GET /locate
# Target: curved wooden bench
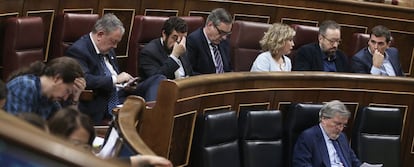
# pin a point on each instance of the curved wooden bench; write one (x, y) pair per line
(168, 127)
(22, 143)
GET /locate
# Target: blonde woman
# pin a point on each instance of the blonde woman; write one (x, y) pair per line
(276, 43)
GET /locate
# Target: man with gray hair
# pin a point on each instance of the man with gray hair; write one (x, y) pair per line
(95, 52)
(324, 55)
(325, 144)
(208, 47)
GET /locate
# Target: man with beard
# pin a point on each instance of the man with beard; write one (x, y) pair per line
(167, 55)
(323, 56)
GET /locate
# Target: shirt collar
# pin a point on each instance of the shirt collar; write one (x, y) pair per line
(325, 136)
(94, 45)
(208, 40)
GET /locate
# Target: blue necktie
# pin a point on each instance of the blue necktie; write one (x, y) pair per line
(217, 58)
(113, 98)
(339, 152)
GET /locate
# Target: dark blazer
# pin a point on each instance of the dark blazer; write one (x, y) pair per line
(362, 61)
(198, 51)
(101, 85)
(310, 150)
(155, 60)
(309, 58)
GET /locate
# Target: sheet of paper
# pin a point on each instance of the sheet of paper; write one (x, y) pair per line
(370, 165)
(109, 147)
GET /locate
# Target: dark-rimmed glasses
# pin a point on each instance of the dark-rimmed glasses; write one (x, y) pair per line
(332, 42)
(221, 32)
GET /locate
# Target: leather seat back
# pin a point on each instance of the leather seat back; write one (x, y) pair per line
(304, 35)
(377, 135)
(261, 138)
(23, 43)
(299, 118)
(244, 43)
(215, 141)
(67, 29)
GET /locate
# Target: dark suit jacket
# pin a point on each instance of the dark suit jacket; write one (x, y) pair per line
(155, 60)
(310, 150)
(198, 51)
(101, 85)
(362, 61)
(309, 58)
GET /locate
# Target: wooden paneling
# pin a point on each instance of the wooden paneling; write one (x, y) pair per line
(165, 5)
(354, 16)
(47, 17)
(78, 5)
(239, 91)
(11, 6)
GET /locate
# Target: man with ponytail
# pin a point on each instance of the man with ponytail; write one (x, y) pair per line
(40, 88)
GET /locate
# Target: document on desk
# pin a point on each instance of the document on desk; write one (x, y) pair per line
(109, 147)
(370, 165)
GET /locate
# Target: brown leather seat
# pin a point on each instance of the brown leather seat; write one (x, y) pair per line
(24, 43)
(147, 28)
(304, 35)
(244, 43)
(359, 41)
(68, 28)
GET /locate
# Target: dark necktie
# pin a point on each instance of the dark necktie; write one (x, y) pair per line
(113, 98)
(217, 58)
(339, 152)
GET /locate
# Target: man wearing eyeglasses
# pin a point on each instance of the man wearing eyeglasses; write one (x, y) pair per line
(323, 56)
(208, 47)
(325, 144)
(378, 58)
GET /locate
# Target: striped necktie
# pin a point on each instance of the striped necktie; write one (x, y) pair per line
(217, 58)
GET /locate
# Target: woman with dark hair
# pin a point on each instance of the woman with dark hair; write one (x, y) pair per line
(72, 125)
(39, 88)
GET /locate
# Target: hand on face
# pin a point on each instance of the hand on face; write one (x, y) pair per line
(377, 58)
(179, 47)
(78, 86)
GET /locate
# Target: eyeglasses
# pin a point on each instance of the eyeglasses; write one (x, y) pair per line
(332, 42)
(221, 32)
(339, 125)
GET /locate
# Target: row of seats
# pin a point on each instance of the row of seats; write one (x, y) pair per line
(262, 138)
(244, 41)
(246, 35)
(66, 30)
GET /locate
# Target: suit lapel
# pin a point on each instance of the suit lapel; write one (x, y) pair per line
(322, 147)
(206, 48)
(112, 60)
(320, 59)
(343, 144)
